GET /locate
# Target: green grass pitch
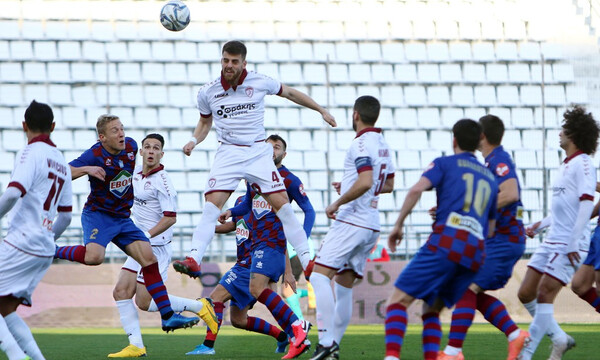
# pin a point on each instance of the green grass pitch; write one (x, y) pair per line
(360, 342)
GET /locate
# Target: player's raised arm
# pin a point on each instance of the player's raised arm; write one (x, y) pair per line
(301, 98)
(202, 129)
(93, 171)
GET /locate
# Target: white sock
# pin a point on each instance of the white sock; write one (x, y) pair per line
(130, 321)
(343, 311)
(539, 326)
(530, 306)
(204, 232)
(294, 233)
(513, 335)
(8, 344)
(451, 350)
(179, 304)
(325, 307)
(23, 336)
(554, 330)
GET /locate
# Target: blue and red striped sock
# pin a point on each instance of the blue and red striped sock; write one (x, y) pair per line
(495, 312)
(395, 327)
(157, 290)
(591, 296)
(281, 312)
(462, 318)
(432, 335)
(262, 327)
(71, 253)
(209, 341)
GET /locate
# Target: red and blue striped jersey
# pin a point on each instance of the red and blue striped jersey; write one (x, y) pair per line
(509, 220)
(114, 195)
(466, 200)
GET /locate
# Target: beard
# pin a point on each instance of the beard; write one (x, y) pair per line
(277, 160)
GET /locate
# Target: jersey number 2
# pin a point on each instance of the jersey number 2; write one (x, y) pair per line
(482, 194)
(54, 193)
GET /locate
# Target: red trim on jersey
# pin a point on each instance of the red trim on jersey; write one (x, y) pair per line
(45, 138)
(280, 90)
(364, 168)
(18, 186)
(65, 209)
(536, 270)
(356, 275)
(390, 175)
(569, 158)
(362, 227)
(26, 252)
(555, 278)
(369, 129)
(205, 116)
(226, 85)
(586, 197)
(325, 266)
(153, 171)
(217, 190)
(170, 213)
(257, 141)
(128, 269)
(273, 192)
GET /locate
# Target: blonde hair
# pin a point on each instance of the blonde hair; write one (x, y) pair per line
(102, 121)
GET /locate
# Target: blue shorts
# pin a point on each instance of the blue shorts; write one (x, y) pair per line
(237, 282)
(268, 261)
(500, 258)
(431, 275)
(102, 228)
(593, 257)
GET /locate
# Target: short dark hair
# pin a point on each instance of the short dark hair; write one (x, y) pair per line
(467, 133)
(493, 128)
(368, 109)
(581, 128)
(276, 137)
(39, 117)
(158, 137)
(235, 47)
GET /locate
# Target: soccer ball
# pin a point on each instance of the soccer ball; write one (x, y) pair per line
(175, 15)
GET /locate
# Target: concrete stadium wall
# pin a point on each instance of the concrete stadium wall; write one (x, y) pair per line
(73, 295)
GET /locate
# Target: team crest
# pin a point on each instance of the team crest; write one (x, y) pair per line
(502, 169)
(108, 162)
(212, 182)
(260, 206)
(120, 183)
(147, 185)
(249, 91)
(131, 155)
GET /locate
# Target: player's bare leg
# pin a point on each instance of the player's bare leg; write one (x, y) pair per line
(528, 290)
(203, 233)
(141, 251)
(16, 339)
(294, 233)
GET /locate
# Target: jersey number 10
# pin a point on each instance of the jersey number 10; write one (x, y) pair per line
(482, 194)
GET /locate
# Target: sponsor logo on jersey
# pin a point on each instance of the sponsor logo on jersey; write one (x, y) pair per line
(259, 265)
(221, 95)
(502, 169)
(235, 110)
(249, 91)
(242, 233)
(260, 206)
(120, 183)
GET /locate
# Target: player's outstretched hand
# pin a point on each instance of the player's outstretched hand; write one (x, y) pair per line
(97, 172)
(432, 212)
(329, 119)
(532, 230)
(331, 210)
(337, 186)
(187, 149)
(574, 258)
(395, 238)
(224, 216)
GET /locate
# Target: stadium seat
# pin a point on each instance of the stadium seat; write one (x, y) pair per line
(531, 95)
(428, 73)
(460, 51)
(90, 50)
(278, 51)
(416, 52)
(405, 73)
(529, 51)
(506, 51)
(11, 72)
(446, 29)
(462, 95)
(415, 96)
(474, 73)
(508, 95)
(392, 52)
(518, 73)
(438, 96)
(116, 51)
(522, 118)
(485, 95)
(449, 116)
(438, 51)
(360, 73)
(44, 50)
(469, 29)
(128, 72)
(497, 73)
(450, 73)
(132, 95)
(483, 51)
(555, 95)
(576, 95)
(429, 118)
(38, 92)
(369, 51)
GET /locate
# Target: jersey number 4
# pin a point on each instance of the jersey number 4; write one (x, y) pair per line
(54, 193)
(482, 194)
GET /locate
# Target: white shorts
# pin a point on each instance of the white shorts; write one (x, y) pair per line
(552, 260)
(163, 255)
(254, 163)
(20, 272)
(346, 247)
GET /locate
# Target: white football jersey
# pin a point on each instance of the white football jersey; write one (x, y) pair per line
(238, 113)
(368, 151)
(576, 181)
(44, 178)
(154, 197)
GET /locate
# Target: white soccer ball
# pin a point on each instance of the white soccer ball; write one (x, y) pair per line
(175, 15)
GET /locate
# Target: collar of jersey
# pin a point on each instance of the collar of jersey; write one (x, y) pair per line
(496, 150)
(226, 85)
(45, 138)
(153, 171)
(366, 130)
(578, 152)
